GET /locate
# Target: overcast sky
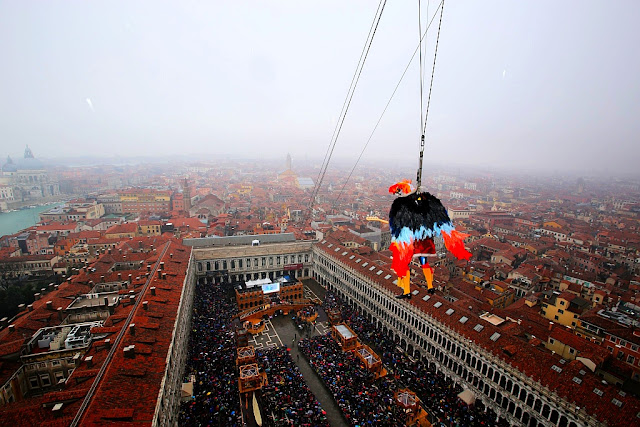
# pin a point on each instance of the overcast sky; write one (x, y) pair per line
(532, 84)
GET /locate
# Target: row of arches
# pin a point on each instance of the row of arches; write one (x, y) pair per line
(506, 395)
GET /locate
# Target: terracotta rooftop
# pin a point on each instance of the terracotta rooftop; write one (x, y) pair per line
(513, 345)
(128, 390)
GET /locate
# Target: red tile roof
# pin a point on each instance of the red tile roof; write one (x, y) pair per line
(530, 358)
(131, 384)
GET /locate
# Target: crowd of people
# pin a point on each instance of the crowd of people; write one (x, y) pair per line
(439, 395)
(212, 351)
(362, 399)
(286, 399)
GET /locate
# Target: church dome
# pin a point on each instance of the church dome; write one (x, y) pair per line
(29, 163)
(9, 166)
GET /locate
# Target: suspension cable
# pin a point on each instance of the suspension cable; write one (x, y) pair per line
(332, 145)
(385, 108)
(353, 78)
(424, 126)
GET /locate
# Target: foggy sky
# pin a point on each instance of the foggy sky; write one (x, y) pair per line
(538, 85)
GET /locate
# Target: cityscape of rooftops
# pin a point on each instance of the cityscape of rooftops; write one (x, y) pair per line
(320, 213)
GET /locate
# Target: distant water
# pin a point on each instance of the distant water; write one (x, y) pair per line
(11, 222)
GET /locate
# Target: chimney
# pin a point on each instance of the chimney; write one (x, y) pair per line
(550, 325)
(145, 305)
(49, 305)
(12, 328)
(107, 342)
(56, 287)
(57, 408)
(132, 328)
(43, 291)
(3, 322)
(153, 290)
(119, 276)
(164, 276)
(161, 265)
(36, 296)
(148, 267)
(89, 360)
(21, 307)
(101, 279)
(60, 313)
(109, 251)
(171, 255)
(159, 274)
(30, 307)
(129, 351)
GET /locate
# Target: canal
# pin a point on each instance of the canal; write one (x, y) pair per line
(12, 222)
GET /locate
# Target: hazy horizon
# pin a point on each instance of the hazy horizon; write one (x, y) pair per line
(546, 86)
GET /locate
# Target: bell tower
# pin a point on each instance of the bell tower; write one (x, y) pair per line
(186, 195)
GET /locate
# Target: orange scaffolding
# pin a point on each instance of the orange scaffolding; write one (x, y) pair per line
(344, 336)
(410, 404)
(371, 360)
(334, 315)
(254, 326)
(246, 356)
(251, 379)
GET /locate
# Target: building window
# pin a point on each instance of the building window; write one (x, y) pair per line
(556, 317)
(561, 311)
(33, 382)
(552, 341)
(58, 376)
(45, 379)
(631, 359)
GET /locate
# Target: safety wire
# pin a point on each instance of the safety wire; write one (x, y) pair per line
(344, 104)
(421, 78)
(386, 107)
(332, 144)
(424, 126)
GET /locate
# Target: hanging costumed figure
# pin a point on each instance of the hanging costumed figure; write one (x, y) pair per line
(415, 219)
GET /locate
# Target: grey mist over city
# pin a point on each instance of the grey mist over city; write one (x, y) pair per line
(320, 213)
(544, 86)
